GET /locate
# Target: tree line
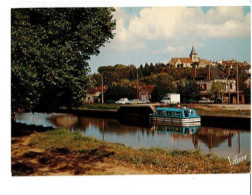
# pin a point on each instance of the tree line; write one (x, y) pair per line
(122, 78)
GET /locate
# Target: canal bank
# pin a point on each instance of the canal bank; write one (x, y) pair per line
(139, 115)
(61, 152)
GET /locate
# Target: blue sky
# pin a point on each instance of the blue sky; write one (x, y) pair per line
(156, 34)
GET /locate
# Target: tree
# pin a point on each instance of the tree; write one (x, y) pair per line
(188, 89)
(50, 49)
(247, 94)
(159, 92)
(217, 90)
(96, 80)
(115, 92)
(159, 79)
(164, 84)
(146, 70)
(140, 71)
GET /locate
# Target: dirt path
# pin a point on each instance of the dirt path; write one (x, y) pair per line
(29, 160)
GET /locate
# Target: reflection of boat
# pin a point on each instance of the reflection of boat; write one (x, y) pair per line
(181, 116)
(185, 130)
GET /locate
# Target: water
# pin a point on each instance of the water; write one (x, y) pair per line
(220, 141)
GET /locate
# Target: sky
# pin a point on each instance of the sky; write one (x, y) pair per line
(156, 34)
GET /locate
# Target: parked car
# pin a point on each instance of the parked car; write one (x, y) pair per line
(110, 101)
(145, 101)
(122, 101)
(206, 101)
(135, 101)
(219, 101)
(189, 101)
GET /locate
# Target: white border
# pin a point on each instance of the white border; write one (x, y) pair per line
(168, 184)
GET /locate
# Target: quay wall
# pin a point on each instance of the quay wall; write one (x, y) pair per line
(139, 115)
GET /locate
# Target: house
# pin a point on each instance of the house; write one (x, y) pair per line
(93, 94)
(233, 63)
(203, 63)
(213, 74)
(144, 92)
(247, 69)
(248, 83)
(188, 61)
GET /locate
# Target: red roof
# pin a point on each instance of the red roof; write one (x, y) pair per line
(148, 88)
(96, 89)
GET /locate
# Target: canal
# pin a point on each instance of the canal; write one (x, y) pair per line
(222, 142)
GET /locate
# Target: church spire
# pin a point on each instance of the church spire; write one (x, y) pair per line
(194, 55)
(193, 52)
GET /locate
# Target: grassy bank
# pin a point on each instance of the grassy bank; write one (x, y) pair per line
(60, 151)
(100, 106)
(214, 110)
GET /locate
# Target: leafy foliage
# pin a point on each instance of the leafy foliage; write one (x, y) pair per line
(164, 84)
(247, 93)
(50, 48)
(217, 90)
(188, 89)
(113, 74)
(115, 92)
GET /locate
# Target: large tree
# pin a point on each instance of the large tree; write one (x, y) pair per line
(115, 92)
(216, 91)
(50, 49)
(188, 89)
(164, 84)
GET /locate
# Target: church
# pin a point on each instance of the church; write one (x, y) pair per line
(189, 61)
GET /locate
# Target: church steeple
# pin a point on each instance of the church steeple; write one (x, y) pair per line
(194, 55)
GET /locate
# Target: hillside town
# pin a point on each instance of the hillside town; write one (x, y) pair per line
(193, 77)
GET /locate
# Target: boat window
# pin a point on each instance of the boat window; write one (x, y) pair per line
(160, 112)
(186, 113)
(177, 113)
(169, 113)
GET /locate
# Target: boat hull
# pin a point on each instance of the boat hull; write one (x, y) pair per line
(176, 121)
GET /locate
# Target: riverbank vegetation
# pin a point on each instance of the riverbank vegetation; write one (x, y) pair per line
(61, 152)
(218, 110)
(100, 106)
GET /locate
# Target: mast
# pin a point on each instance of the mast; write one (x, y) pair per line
(237, 82)
(102, 91)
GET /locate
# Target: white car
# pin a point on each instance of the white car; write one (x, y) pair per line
(135, 101)
(122, 101)
(145, 101)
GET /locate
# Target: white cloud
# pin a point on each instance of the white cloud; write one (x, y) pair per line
(172, 50)
(179, 25)
(178, 51)
(123, 39)
(180, 22)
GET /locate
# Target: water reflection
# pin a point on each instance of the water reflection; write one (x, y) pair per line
(223, 142)
(184, 130)
(66, 121)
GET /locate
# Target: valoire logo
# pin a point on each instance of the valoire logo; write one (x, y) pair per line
(237, 159)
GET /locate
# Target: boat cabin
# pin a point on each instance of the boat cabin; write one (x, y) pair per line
(176, 112)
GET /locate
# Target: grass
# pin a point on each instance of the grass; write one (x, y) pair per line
(100, 106)
(213, 110)
(157, 160)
